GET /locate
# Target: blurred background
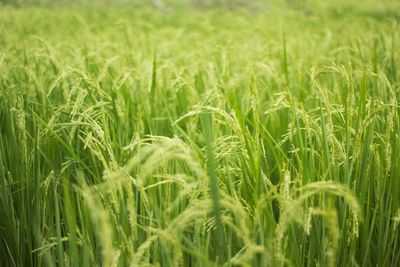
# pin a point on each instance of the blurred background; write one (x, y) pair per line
(378, 9)
(252, 5)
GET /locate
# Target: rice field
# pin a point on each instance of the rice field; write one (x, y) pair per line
(180, 134)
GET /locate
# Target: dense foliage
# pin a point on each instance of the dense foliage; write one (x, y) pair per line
(187, 137)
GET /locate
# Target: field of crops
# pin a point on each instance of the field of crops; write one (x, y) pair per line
(194, 135)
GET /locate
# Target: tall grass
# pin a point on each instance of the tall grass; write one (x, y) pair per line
(200, 138)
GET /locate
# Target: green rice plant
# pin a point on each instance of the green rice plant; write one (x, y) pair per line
(141, 136)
